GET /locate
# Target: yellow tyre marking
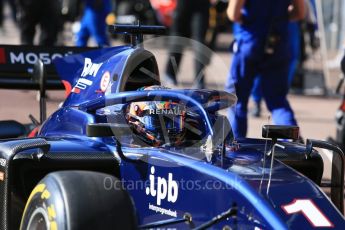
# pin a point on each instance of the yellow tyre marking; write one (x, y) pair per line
(51, 212)
(53, 225)
(45, 195)
(39, 188)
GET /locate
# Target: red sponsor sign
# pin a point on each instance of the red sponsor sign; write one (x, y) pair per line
(2, 56)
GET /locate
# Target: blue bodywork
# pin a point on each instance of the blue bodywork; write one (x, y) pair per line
(185, 180)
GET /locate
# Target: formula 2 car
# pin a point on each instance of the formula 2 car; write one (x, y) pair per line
(124, 152)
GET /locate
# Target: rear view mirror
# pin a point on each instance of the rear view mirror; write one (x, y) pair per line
(110, 130)
(280, 132)
(107, 130)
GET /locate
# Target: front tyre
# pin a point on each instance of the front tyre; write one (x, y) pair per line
(72, 200)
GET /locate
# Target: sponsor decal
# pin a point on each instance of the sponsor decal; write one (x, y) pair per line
(2, 56)
(2, 176)
(90, 69)
(175, 111)
(166, 188)
(105, 81)
(82, 84)
(163, 211)
(3, 162)
(31, 58)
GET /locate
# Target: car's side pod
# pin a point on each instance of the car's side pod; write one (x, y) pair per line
(8, 150)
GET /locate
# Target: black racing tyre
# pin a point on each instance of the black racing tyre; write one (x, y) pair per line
(73, 200)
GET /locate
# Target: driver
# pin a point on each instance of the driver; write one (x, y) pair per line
(157, 123)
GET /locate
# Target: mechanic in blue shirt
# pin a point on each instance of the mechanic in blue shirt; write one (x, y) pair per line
(261, 49)
(93, 23)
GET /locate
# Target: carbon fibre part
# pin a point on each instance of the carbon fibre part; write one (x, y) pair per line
(7, 152)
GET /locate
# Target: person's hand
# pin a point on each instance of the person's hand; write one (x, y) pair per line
(234, 10)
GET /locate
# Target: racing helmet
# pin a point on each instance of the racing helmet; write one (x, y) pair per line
(157, 122)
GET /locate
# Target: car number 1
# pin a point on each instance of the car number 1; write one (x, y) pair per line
(311, 212)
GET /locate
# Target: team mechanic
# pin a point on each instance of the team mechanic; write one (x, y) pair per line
(261, 48)
(93, 23)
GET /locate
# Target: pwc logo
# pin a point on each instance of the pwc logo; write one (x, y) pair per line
(90, 68)
(162, 188)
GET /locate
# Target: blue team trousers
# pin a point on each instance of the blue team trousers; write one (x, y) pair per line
(294, 57)
(273, 73)
(93, 25)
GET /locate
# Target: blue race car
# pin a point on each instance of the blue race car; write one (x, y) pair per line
(124, 152)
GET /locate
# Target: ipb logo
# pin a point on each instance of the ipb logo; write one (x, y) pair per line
(162, 188)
